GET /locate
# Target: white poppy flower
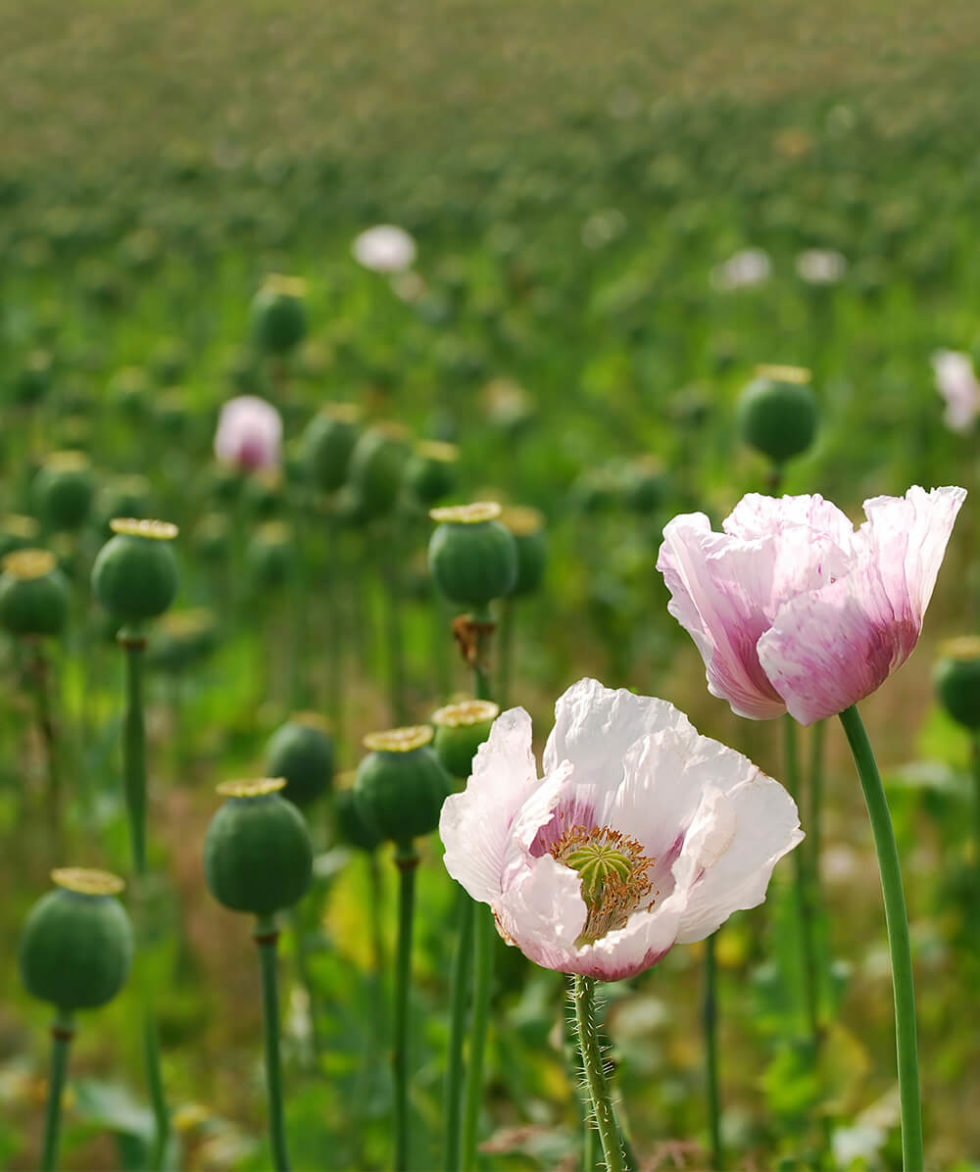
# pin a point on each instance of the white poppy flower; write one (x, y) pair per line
(641, 833)
(385, 248)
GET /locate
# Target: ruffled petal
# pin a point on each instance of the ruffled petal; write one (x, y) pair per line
(542, 912)
(475, 825)
(595, 725)
(757, 516)
(733, 845)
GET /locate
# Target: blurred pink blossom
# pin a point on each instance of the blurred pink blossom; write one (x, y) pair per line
(640, 835)
(249, 434)
(385, 248)
(792, 609)
(957, 383)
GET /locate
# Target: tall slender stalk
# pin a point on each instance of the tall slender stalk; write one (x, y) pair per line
(62, 1032)
(814, 828)
(406, 860)
(267, 937)
(394, 649)
(595, 1075)
(507, 610)
(709, 1015)
(134, 787)
(804, 907)
(459, 989)
(896, 919)
(975, 762)
(39, 671)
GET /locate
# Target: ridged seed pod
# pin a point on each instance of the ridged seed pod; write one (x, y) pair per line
(63, 490)
(401, 784)
(301, 751)
(33, 593)
(957, 680)
(472, 556)
(377, 466)
(258, 856)
(135, 573)
(431, 472)
(777, 412)
(527, 527)
(328, 443)
(77, 944)
(460, 730)
(279, 320)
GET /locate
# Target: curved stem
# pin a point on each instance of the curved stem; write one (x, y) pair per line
(406, 860)
(484, 932)
(595, 1075)
(154, 1081)
(896, 919)
(267, 937)
(459, 989)
(709, 1016)
(62, 1032)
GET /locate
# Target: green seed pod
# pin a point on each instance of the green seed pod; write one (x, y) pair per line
(33, 380)
(33, 593)
(77, 944)
(278, 314)
(63, 490)
(328, 443)
(124, 496)
(472, 556)
(269, 556)
(377, 466)
(431, 472)
(18, 532)
(258, 856)
(645, 485)
(401, 784)
(135, 573)
(301, 751)
(351, 826)
(777, 412)
(460, 730)
(527, 527)
(957, 680)
(182, 639)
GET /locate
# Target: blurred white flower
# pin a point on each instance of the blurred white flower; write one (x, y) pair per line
(821, 266)
(385, 248)
(743, 270)
(957, 383)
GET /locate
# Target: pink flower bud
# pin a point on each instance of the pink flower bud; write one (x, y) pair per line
(249, 434)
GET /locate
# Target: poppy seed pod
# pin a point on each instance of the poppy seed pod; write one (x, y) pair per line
(18, 532)
(135, 573)
(301, 751)
(351, 826)
(278, 315)
(33, 381)
(328, 443)
(472, 556)
(77, 944)
(258, 856)
(377, 466)
(431, 472)
(63, 490)
(401, 784)
(527, 527)
(460, 730)
(33, 593)
(777, 412)
(957, 680)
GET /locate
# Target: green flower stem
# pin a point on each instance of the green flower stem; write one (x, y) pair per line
(507, 610)
(804, 906)
(482, 685)
(595, 1077)
(62, 1032)
(335, 625)
(394, 649)
(40, 671)
(406, 860)
(709, 1017)
(134, 746)
(459, 988)
(134, 785)
(267, 937)
(896, 919)
(485, 931)
(975, 762)
(814, 827)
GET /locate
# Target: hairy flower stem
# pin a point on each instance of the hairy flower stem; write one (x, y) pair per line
(134, 784)
(814, 828)
(595, 1075)
(406, 860)
(267, 937)
(459, 989)
(896, 919)
(62, 1032)
(709, 1011)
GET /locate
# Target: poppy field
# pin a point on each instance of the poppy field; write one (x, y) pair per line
(489, 587)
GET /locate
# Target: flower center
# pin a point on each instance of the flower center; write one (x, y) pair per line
(615, 876)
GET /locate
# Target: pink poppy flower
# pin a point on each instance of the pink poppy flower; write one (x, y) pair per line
(641, 834)
(249, 434)
(957, 383)
(792, 609)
